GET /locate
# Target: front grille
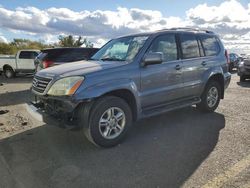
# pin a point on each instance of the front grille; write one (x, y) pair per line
(247, 69)
(39, 84)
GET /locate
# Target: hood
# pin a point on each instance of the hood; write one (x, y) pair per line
(78, 68)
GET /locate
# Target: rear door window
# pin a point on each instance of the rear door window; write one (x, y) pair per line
(166, 44)
(189, 46)
(210, 45)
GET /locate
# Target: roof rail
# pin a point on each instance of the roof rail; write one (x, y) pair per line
(190, 29)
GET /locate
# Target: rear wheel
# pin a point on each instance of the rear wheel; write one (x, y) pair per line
(9, 73)
(210, 98)
(109, 120)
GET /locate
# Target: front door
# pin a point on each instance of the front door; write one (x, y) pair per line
(162, 83)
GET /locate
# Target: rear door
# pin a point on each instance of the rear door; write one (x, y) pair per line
(25, 61)
(162, 83)
(199, 54)
(193, 63)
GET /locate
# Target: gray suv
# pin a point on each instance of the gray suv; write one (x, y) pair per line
(135, 77)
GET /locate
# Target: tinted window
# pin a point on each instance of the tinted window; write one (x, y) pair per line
(210, 45)
(165, 44)
(234, 57)
(189, 45)
(27, 55)
(73, 55)
(67, 54)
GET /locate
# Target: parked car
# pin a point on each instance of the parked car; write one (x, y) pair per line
(234, 60)
(135, 77)
(57, 56)
(22, 62)
(244, 69)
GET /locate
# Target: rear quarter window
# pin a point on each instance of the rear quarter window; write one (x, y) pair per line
(210, 45)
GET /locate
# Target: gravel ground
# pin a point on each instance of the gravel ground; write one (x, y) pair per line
(184, 148)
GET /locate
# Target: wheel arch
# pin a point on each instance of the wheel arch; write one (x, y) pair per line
(123, 88)
(6, 66)
(127, 96)
(220, 79)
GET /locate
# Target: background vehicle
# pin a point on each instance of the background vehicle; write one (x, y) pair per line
(56, 56)
(134, 77)
(22, 62)
(234, 60)
(244, 69)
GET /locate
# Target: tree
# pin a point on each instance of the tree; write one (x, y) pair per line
(20, 44)
(5, 48)
(88, 44)
(70, 41)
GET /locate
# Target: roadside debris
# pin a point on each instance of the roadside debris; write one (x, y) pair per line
(21, 120)
(14, 123)
(3, 112)
(25, 123)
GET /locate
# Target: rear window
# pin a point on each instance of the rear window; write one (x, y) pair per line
(189, 45)
(67, 55)
(210, 45)
(28, 55)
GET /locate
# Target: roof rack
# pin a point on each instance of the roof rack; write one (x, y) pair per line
(189, 29)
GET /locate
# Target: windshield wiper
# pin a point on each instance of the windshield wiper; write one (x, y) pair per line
(111, 59)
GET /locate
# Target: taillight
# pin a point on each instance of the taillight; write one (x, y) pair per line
(47, 64)
(227, 56)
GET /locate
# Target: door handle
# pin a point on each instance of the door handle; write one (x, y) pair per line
(204, 63)
(177, 67)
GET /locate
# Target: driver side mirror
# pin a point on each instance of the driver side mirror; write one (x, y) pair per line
(152, 58)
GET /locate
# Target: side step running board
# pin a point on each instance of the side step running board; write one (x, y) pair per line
(169, 107)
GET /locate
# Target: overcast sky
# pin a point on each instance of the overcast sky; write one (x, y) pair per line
(101, 20)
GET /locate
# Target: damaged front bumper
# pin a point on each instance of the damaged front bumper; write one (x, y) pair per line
(63, 109)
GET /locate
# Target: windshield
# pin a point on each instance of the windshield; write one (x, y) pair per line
(122, 49)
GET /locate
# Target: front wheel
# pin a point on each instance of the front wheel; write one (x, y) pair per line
(109, 120)
(210, 98)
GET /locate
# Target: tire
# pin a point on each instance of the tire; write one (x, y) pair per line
(210, 104)
(231, 66)
(9, 73)
(242, 78)
(102, 126)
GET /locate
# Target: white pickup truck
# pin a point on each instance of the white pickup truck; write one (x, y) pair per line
(22, 62)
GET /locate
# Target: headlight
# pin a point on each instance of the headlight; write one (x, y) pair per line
(66, 86)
